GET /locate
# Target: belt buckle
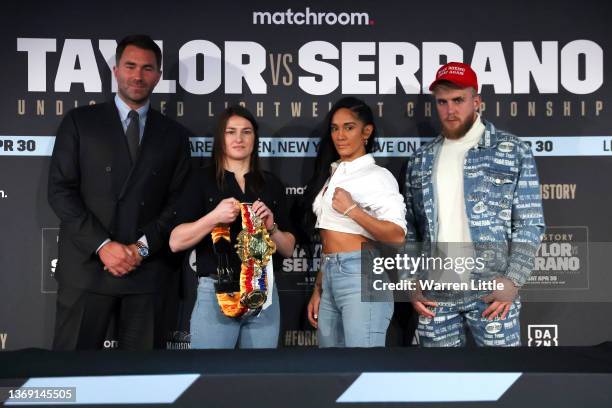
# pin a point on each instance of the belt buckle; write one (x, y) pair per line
(254, 299)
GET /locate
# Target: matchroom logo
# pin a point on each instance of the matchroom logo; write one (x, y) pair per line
(543, 335)
(309, 17)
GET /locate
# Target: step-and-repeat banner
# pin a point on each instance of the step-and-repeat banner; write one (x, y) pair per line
(545, 74)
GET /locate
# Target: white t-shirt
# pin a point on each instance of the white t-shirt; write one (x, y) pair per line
(448, 183)
(372, 187)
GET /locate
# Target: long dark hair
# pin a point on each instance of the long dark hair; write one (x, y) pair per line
(256, 179)
(327, 154)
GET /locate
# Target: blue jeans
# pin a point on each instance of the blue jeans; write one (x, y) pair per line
(344, 320)
(447, 328)
(211, 329)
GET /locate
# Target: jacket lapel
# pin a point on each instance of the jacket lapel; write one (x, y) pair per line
(428, 166)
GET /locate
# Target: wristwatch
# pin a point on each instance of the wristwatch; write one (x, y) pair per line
(143, 250)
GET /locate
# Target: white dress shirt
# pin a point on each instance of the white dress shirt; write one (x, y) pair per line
(372, 187)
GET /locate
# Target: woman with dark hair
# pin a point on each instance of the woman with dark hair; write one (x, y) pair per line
(352, 201)
(213, 213)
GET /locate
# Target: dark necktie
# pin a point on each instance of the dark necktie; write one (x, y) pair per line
(133, 134)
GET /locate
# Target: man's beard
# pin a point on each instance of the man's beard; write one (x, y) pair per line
(460, 131)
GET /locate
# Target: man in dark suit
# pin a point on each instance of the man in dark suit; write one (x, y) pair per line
(115, 174)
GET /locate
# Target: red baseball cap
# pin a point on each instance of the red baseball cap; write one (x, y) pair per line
(458, 73)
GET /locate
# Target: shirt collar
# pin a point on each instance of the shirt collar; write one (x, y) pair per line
(124, 109)
(475, 133)
(353, 166)
(246, 175)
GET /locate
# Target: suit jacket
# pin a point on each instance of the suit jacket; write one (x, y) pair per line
(98, 193)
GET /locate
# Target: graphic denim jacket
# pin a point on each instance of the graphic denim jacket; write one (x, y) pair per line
(502, 200)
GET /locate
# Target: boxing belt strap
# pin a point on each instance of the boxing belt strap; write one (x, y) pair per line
(254, 248)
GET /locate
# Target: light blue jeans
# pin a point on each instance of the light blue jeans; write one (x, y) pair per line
(211, 329)
(447, 329)
(344, 319)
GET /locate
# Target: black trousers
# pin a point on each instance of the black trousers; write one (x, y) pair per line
(82, 319)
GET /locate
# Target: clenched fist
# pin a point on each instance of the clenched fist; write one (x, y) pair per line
(227, 210)
(341, 200)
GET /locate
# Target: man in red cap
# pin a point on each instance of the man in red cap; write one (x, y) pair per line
(473, 200)
(457, 101)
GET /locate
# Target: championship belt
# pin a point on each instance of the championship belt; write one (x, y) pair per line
(254, 248)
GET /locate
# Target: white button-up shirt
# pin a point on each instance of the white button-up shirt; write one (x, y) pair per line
(372, 187)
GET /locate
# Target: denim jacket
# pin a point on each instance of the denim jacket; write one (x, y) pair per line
(502, 200)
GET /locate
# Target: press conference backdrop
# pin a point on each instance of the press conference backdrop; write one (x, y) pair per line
(544, 69)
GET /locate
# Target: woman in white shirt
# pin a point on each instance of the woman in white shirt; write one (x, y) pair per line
(353, 201)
